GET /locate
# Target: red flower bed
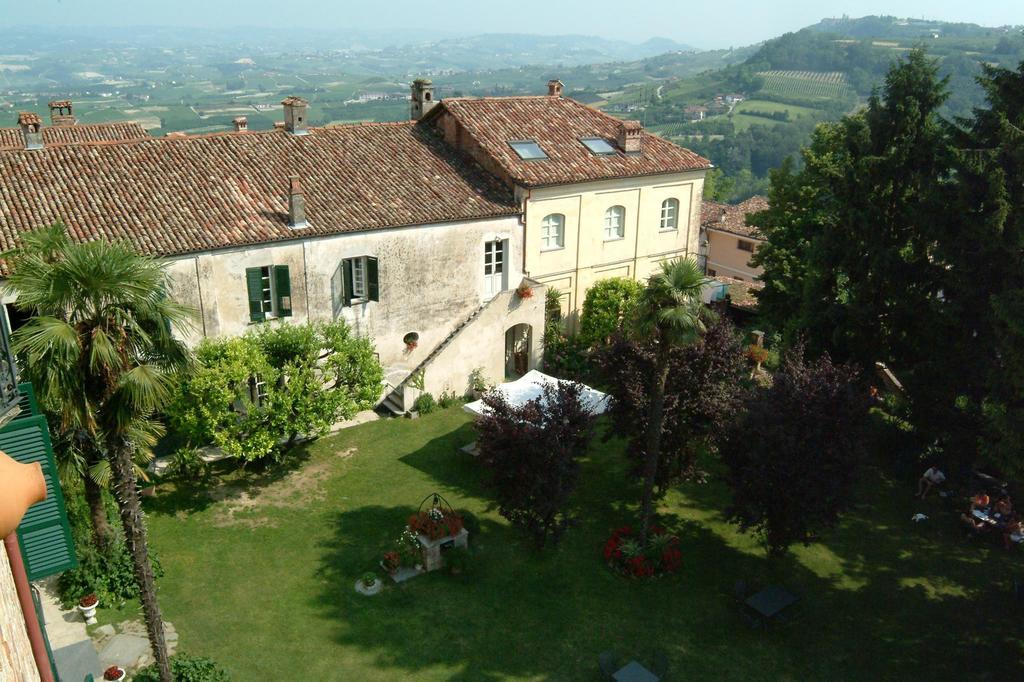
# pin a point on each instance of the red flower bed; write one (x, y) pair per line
(88, 600)
(626, 555)
(392, 561)
(435, 523)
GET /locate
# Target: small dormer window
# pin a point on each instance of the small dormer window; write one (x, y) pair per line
(597, 145)
(528, 150)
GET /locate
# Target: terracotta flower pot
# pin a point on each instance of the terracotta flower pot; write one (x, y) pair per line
(21, 486)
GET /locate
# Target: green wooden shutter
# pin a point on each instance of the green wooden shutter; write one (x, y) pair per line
(372, 283)
(283, 290)
(254, 282)
(44, 533)
(346, 273)
(28, 403)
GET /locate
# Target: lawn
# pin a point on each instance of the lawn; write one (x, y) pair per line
(260, 571)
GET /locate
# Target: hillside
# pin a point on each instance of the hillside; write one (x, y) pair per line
(749, 116)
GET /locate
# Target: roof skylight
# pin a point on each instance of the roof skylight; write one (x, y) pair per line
(528, 150)
(598, 145)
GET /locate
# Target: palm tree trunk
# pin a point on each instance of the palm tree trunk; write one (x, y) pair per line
(652, 454)
(97, 512)
(135, 537)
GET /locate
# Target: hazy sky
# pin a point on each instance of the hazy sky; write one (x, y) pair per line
(708, 23)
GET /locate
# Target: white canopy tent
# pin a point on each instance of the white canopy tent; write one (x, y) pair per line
(530, 386)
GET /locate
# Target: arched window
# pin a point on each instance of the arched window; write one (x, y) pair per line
(615, 223)
(670, 214)
(552, 232)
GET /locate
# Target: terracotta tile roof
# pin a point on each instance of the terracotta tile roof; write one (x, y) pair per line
(11, 138)
(556, 124)
(181, 195)
(741, 292)
(732, 217)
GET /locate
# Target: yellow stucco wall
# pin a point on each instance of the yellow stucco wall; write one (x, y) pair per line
(726, 259)
(586, 256)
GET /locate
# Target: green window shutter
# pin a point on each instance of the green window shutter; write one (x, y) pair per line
(283, 290)
(372, 283)
(28, 403)
(346, 272)
(44, 533)
(254, 282)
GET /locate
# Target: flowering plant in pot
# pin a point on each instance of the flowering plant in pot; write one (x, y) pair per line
(410, 550)
(87, 605)
(625, 553)
(392, 561)
(114, 673)
(524, 291)
(369, 578)
(435, 523)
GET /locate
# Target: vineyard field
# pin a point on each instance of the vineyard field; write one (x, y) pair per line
(806, 85)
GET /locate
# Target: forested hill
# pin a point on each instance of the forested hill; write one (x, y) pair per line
(748, 117)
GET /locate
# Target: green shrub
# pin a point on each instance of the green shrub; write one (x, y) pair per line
(607, 304)
(254, 396)
(109, 574)
(185, 668)
(425, 404)
(448, 399)
(187, 464)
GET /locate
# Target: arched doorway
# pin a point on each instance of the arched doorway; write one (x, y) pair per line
(517, 350)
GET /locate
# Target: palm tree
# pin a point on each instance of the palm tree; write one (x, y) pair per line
(669, 314)
(100, 347)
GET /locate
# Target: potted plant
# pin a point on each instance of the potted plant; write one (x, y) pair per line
(524, 290)
(114, 673)
(410, 550)
(87, 605)
(411, 341)
(392, 562)
(368, 584)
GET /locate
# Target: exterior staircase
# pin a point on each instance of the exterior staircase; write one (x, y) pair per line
(398, 377)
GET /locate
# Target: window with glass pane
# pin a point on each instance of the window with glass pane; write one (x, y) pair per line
(598, 145)
(528, 150)
(669, 214)
(358, 278)
(268, 292)
(552, 231)
(615, 223)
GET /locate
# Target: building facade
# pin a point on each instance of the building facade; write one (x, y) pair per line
(731, 242)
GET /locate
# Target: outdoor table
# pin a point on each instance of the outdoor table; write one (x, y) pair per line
(634, 672)
(982, 516)
(771, 601)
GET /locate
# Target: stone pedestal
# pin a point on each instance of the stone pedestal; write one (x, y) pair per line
(432, 549)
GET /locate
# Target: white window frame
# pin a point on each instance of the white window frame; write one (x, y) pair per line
(269, 298)
(669, 215)
(549, 241)
(615, 223)
(359, 280)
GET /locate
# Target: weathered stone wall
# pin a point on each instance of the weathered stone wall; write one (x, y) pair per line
(431, 278)
(16, 661)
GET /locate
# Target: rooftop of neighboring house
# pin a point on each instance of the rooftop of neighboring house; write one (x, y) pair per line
(182, 194)
(741, 292)
(732, 218)
(561, 127)
(13, 138)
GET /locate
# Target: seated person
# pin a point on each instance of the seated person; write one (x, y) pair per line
(978, 502)
(1011, 527)
(932, 477)
(1004, 507)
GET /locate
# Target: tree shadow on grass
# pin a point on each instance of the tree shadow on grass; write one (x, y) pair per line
(886, 597)
(226, 480)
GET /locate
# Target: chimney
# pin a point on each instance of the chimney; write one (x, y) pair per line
(295, 115)
(422, 98)
(630, 137)
(60, 113)
(278, 125)
(31, 129)
(296, 204)
(241, 124)
(555, 87)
